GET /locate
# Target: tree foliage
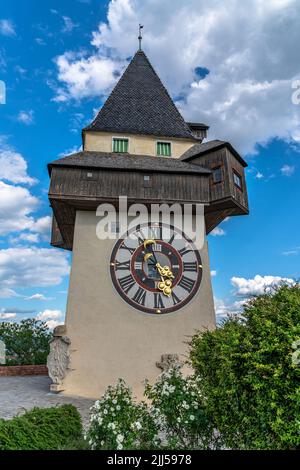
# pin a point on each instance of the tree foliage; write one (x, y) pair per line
(26, 342)
(248, 375)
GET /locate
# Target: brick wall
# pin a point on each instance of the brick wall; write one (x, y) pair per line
(23, 370)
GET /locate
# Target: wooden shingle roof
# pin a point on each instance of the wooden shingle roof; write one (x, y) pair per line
(115, 161)
(206, 147)
(140, 104)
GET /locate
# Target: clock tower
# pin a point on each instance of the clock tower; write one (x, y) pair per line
(137, 295)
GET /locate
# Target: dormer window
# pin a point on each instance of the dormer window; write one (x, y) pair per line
(120, 145)
(163, 149)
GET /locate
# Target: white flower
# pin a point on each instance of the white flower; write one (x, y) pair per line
(178, 419)
(105, 411)
(114, 401)
(100, 420)
(118, 407)
(138, 425)
(102, 443)
(119, 447)
(120, 438)
(192, 417)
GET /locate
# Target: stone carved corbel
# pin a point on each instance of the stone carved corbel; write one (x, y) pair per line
(58, 361)
(168, 361)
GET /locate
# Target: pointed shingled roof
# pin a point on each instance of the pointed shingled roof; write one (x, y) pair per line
(140, 104)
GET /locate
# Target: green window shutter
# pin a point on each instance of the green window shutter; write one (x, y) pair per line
(163, 149)
(120, 145)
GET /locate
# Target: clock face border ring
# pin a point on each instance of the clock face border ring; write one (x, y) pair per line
(128, 300)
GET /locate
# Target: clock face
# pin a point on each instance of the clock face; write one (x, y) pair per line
(154, 274)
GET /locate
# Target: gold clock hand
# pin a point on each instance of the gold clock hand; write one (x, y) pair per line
(165, 285)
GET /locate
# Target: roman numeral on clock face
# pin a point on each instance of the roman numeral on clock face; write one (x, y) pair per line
(157, 247)
(128, 248)
(186, 283)
(184, 251)
(138, 265)
(158, 301)
(126, 283)
(122, 265)
(140, 296)
(140, 237)
(175, 299)
(192, 267)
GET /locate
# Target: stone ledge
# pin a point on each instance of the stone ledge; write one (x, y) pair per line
(7, 371)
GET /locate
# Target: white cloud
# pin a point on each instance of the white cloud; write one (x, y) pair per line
(258, 285)
(51, 317)
(74, 149)
(29, 237)
(42, 225)
(31, 266)
(7, 28)
(213, 273)
(217, 232)
(16, 205)
(7, 316)
(26, 117)
(225, 309)
(52, 324)
(6, 293)
(13, 166)
(68, 25)
(37, 297)
(40, 41)
(287, 170)
(291, 252)
(259, 175)
(83, 77)
(249, 79)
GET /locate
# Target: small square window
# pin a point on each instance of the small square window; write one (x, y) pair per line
(147, 181)
(120, 145)
(163, 149)
(89, 175)
(217, 174)
(237, 179)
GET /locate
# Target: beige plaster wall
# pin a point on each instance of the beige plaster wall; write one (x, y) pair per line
(110, 339)
(138, 144)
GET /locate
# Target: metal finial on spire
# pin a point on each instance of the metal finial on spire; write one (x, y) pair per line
(140, 36)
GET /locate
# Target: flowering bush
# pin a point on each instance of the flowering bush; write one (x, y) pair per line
(175, 419)
(117, 422)
(179, 411)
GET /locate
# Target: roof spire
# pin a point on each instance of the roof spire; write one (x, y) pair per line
(140, 36)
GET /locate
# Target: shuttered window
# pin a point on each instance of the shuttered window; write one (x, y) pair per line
(163, 149)
(120, 145)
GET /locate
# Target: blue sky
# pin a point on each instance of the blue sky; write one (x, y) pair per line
(60, 59)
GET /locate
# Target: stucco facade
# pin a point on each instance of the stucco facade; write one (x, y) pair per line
(138, 144)
(110, 339)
